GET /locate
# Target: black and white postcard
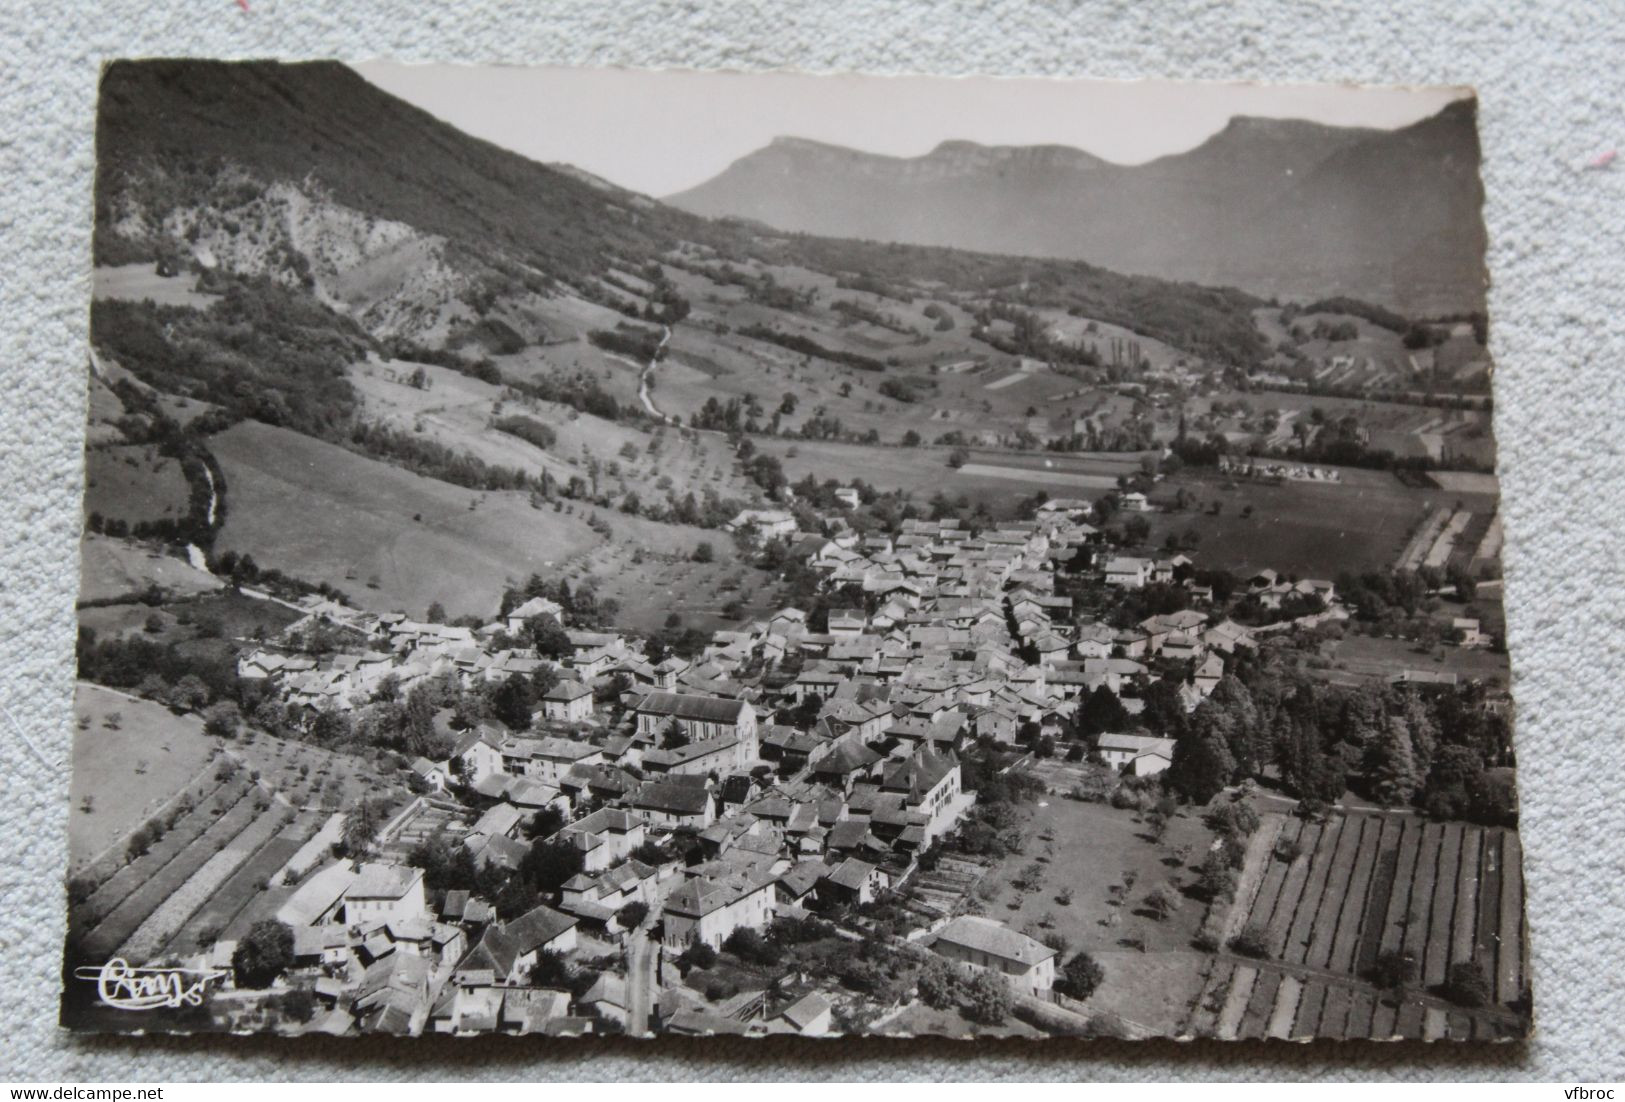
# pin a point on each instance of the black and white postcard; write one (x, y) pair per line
(581, 552)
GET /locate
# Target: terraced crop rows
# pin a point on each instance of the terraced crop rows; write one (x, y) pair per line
(1361, 885)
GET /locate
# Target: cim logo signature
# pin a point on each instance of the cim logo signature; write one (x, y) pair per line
(125, 988)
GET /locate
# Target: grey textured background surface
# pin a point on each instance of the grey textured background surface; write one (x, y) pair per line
(1551, 88)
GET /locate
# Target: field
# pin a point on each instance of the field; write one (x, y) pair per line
(1314, 530)
(1360, 885)
(1356, 658)
(212, 623)
(165, 751)
(142, 281)
(133, 482)
(385, 537)
(233, 814)
(110, 568)
(650, 585)
(458, 411)
(390, 539)
(1151, 972)
(313, 779)
(994, 477)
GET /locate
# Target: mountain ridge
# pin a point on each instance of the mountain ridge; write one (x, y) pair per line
(1275, 206)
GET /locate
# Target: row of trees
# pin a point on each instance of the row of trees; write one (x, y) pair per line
(1446, 751)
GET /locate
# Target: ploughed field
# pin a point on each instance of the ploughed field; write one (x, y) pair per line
(1359, 886)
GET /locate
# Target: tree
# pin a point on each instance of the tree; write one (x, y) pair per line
(514, 700)
(938, 985)
(1390, 765)
(1253, 941)
(1162, 901)
(299, 1004)
(221, 720)
(698, 955)
(1235, 818)
(1102, 713)
(436, 613)
(548, 636)
(446, 865)
(189, 694)
(362, 823)
(263, 955)
(551, 970)
(958, 458)
(632, 915)
(704, 552)
(1456, 778)
(1201, 767)
(549, 864)
(1216, 879)
(140, 841)
(1394, 970)
(1081, 976)
(987, 998)
(750, 947)
(547, 822)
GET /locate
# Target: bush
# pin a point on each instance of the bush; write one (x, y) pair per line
(987, 999)
(1210, 935)
(750, 947)
(1288, 849)
(1235, 818)
(1253, 941)
(1394, 970)
(938, 985)
(1217, 880)
(1467, 985)
(299, 1004)
(699, 955)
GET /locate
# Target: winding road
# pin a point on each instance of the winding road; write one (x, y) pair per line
(648, 371)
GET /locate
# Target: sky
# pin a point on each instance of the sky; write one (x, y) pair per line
(661, 131)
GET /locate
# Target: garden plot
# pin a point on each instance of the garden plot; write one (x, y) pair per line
(1332, 897)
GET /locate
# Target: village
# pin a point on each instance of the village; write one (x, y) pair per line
(660, 812)
(678, 627)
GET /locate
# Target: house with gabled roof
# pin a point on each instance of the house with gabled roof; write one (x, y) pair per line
(606, 837)
(568, 702)
(706, 909)
(384, 892)
(675, 803)
(984, 944)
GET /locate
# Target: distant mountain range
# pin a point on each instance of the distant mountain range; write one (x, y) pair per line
(1273, 206)
(309, 175)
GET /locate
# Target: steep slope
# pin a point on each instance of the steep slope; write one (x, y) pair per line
(1275, 206)
(371, 152)
(311, 175)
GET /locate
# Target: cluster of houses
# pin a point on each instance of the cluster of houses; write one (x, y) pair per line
(957, 636)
